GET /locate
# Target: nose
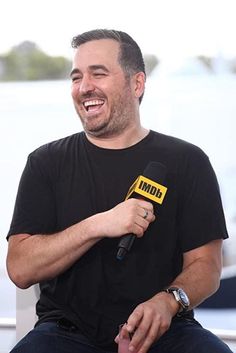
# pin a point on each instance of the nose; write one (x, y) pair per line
(86, 85)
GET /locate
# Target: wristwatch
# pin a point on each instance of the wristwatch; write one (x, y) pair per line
(180, 296)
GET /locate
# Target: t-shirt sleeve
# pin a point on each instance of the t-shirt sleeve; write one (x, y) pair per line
(34, 211)
(201, 217)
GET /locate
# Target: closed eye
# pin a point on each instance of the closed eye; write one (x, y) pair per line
(76, 78)
(99, 74)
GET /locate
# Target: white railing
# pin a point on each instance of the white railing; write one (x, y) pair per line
(7, 322)
(225, 335)
(228, 271)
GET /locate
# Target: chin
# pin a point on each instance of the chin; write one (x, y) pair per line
(97, 130)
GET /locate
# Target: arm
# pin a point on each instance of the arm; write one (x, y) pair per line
(200, 278)
(201, 272)
(32, 259)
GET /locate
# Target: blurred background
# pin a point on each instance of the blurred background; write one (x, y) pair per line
(190, 53)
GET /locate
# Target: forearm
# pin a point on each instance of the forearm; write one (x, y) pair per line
(40, 257)
(32, 259)
(199, 280)
(200, 277)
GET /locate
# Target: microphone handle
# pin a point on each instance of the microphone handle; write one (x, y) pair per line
(125, 245)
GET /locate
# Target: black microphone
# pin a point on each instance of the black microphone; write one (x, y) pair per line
(146, 186)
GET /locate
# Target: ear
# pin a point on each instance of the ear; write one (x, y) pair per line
(139, 83)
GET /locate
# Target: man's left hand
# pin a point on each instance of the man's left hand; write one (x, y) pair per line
(149, 321)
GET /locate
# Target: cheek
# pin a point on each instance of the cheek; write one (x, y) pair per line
(74, 92)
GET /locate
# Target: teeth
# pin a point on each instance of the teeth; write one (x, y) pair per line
(94, 102)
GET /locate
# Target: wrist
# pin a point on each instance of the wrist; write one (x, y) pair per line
(181, 298)
(172, 305)
(92, 227)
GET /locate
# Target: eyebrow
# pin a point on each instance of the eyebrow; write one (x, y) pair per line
(91, 68)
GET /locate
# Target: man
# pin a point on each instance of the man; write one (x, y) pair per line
(70, 214)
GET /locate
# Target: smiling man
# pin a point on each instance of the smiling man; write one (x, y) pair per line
(104, 95)
(70, 216)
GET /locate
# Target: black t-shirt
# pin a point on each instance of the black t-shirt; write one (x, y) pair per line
(71, 179)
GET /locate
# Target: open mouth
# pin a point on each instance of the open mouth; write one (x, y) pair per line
(93, 105)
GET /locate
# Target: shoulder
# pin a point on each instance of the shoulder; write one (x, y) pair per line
(59, 146)
(178, 150)
(60, 150)
(174, 144)
(52, 157)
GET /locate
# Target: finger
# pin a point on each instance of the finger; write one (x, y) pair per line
(155, 331)
(143, 333)
(146, 213)
(147, 341)
(146, 205)
(124, 333)
(143, 223)
(149, 216)
(134, 319)
(140, 225)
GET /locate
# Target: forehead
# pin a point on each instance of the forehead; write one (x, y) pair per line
(97, 52)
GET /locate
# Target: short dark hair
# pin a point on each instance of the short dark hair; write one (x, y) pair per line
(130, 56)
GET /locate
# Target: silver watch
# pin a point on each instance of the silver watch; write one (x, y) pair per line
(180, 296)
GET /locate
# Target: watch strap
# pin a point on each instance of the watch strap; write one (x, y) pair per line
(175, 291)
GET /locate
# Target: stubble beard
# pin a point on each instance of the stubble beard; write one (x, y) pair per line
(118, 120)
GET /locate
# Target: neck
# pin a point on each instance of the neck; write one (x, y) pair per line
(125, 139)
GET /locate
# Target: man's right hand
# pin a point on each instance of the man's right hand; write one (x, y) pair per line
(130, 216)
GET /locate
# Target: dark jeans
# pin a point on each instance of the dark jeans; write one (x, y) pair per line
(184, 336)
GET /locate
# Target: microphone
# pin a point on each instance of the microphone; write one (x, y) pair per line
(147, 187)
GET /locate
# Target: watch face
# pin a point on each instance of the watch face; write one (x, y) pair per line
(180, 296)
(183, 297)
